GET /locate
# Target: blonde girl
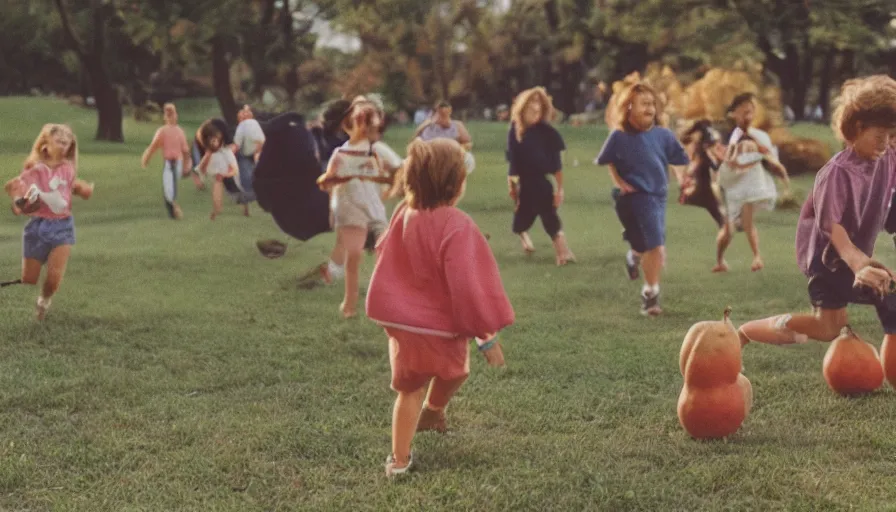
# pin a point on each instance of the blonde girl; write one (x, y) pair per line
(43, 191)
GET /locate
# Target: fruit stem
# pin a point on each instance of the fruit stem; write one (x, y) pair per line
(847, 331)
(727, 313)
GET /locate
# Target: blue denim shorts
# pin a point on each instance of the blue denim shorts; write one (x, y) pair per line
(43, 235)
(643, 218)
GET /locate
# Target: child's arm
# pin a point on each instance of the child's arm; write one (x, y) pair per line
(185, 150)
(480, 306)
(620, 183)
(203, 164)
(677, 156)
(152, 148)
(82, 189)
(558, 192)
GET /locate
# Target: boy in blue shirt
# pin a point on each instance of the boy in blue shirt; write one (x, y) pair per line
(638, 152)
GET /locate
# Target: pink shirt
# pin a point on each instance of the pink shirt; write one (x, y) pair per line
(173, 142)
(55, 186)
(435, 274)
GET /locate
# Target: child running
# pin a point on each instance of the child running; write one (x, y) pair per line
(747, 186)
(219, 162)
(840, 222)
(44, 192)
(638, 153)
(173, 143)
(436, 285)
(702, 145)
(534, 150)
(354, 175)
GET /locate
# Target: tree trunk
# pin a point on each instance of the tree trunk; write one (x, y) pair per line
(108, 104)
(221, 79)
(824, 86)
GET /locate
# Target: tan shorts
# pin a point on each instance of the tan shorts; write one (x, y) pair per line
(361, 209)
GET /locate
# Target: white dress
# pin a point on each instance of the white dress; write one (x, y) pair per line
(742, 177)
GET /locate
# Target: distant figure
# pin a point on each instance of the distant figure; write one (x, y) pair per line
(171, 139)
(441, 126)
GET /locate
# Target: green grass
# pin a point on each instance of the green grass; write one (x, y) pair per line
(179, 370)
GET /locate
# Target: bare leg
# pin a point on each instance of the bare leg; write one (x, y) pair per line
(217, 198)
(526, 241)
(723, 240)
(752, 236)
(440, 393)
(31, 271)
(652, 263)
(822, 325)
(353, 239)
(56, 265)
(404, 425)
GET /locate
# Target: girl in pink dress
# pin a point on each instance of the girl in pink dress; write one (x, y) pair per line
(436, 285)
(44, 191)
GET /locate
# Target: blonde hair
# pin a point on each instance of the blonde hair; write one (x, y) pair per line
(433, 174)
(539, 94)
(869, 101)
(39, 153)
(626, 100)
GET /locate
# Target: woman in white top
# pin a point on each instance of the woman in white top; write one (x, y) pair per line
(441, 126)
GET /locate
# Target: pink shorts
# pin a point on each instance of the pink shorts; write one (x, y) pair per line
(417, 358)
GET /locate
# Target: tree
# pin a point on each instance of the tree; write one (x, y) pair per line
(98, 17)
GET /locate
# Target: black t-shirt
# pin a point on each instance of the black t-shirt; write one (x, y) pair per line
(536, 156)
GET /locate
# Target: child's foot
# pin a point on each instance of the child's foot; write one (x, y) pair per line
(757, 264)
(43, 305)
(431, 419)
(395, 467)
(245, 210)
(528, 248)
(178, 213)
(650, 305)
(564, 255)
(720, 267)
(632, 263)
(213, 216)
(347, 311)
(316, 276)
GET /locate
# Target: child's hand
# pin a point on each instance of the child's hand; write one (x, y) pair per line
(624, 187)
(875, 276)
(492, 351)
(558, 198)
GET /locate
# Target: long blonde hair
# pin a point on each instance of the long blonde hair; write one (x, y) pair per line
(39, 153)
(539, 94)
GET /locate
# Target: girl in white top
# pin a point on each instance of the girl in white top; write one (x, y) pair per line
(218, 162)
(746, 184)
(355, 177)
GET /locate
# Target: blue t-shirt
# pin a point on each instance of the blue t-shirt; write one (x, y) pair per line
(642, 158)
(534, 157)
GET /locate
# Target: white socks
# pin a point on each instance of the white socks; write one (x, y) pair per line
(631, 258)
(650, 291)
(335, 271)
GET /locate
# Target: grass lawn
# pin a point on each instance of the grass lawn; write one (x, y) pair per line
(179, 370)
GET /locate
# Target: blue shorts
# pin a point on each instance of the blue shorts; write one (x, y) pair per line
(643, 218)
(43, 235)
(833, 290)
